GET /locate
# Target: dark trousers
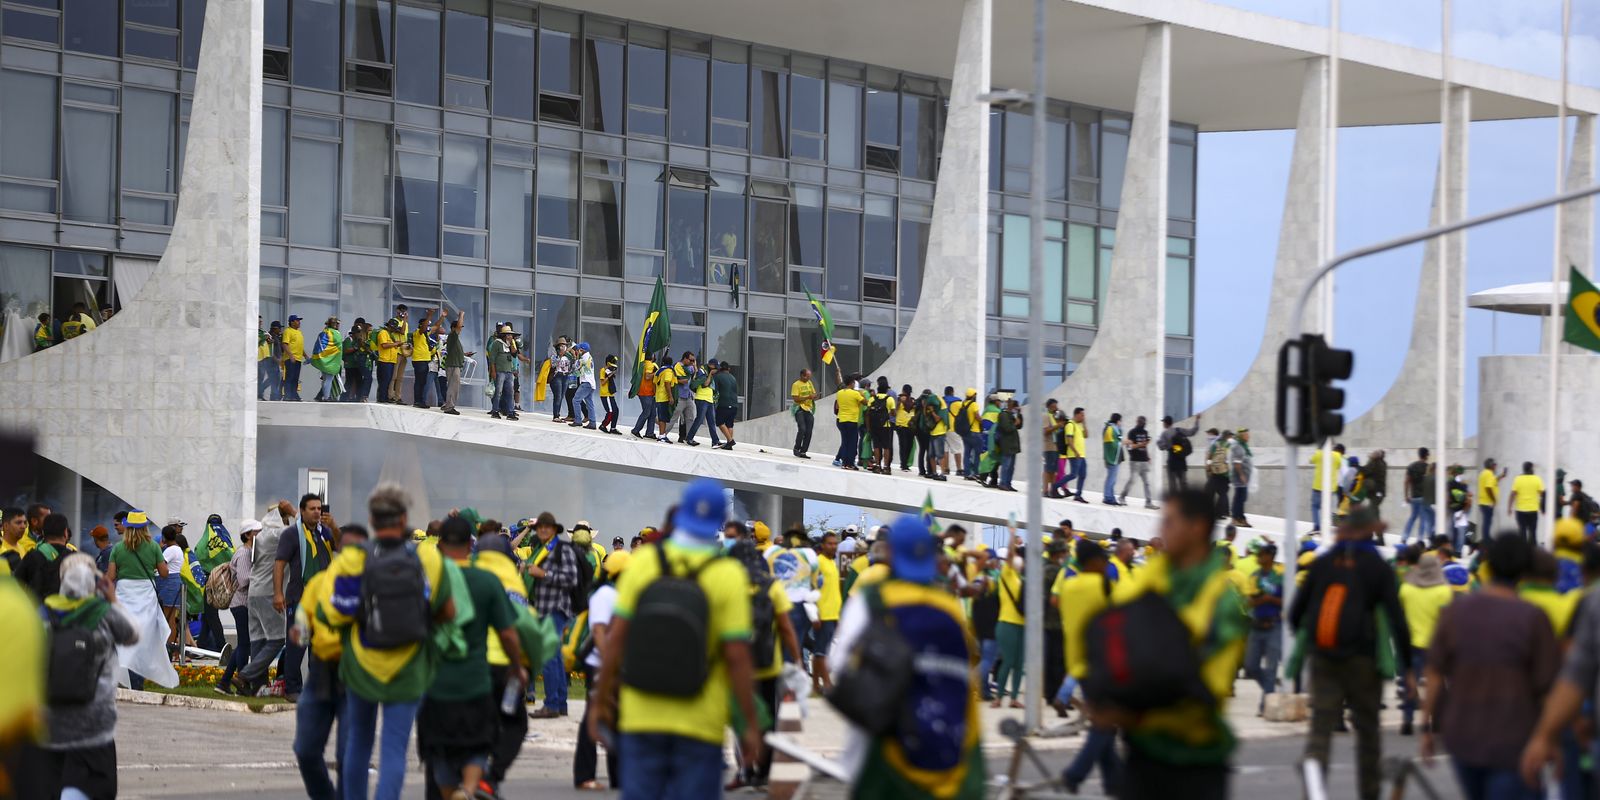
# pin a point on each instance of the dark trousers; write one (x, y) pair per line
(647, 416)
(241, 644)
(291, 380)
(803, 422)
(1528, 525)
(419, 383)
(1217, 487)
(926, 464)
(513, 729)
(385, 377)
(1055, 665)
(1177, 476)
(1099, 749)
(558, 395)
(849, 442)
(1335, 684)
(907, 438)
(315, 716)
(1486, 523)
(770, 692)
(292, 656)
(584, 760)
(1241, 494)
(211, 637)
(1145, 778)
(609, 403)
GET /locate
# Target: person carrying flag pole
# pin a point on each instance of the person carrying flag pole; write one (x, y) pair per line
(825, 324)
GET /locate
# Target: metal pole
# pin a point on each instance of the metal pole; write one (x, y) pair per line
(1032, 443)
(1557, 263)
(1330, 188)
(1441, 305)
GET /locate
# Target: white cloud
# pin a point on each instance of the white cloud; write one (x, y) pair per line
(1208, 393)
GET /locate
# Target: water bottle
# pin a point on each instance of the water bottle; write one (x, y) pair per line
(511, 699)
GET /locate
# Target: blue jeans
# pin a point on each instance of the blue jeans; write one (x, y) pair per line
(293, 654)
(314, 716)
(1008, 466)
(802, 632)
(1240, 495)
(554, 672)
(241, 645)
(558, 393)
(326, 390)
(1262, 652)
(1099, 748)
(849, 443)
(505, 393)
(583, 405)
(1316, 509)
(703, 415)
(1111, 482)
(1076, 468)
(1486, 526)
(646, 423)
(269, 384)
(988, 654)
(361, 715)
(658, 766)
(974, 444)
(1419, 663)
(385, 377)
(420, 381)
(1490, 783)
(1064, 694)
(1422, 517)
(291, 380)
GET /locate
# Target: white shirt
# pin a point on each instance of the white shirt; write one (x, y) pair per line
(174, 557)
(601, 604)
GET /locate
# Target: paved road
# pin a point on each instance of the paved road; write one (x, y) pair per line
(188, 753)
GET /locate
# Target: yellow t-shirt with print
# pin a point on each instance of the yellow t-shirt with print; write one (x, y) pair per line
(1336, 463)
(1527, 489)
(1010, 595)
(832, 600)
(781, 605)
(849, 405)
(803, 389)
(727, 588)
(388, 355)
(665, 380)
(902, 415)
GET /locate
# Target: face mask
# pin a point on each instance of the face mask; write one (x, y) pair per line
(727, 544)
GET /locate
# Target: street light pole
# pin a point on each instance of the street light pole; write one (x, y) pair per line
(1032, 442)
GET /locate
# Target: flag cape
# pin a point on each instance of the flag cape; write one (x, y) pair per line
(1582, 312)
(654, 336)
(214, 547)
(329, 356)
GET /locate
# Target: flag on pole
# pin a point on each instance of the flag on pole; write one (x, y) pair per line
(215, 545)
(825, 323)
(655, 336)
(927, 515)
(1582, 313)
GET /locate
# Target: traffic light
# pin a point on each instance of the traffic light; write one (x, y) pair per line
(1308, 402)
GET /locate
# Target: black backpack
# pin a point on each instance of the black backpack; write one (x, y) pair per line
(394, 597)
(1179, 448)
(585, 585)
(669, 634)
(870, 689)
(75, 663)
(763, 624)
(878, 413)
(1341, 619)
(1140, 657)
(961, 421)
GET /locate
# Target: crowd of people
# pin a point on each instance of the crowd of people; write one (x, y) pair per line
(49, 331)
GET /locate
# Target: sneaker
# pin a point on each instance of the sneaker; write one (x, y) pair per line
(452, 412)
(636, 434)
(838, 462)
(1078, 498)
(664, 440)
(690, 442)
(513, 417)
(222, 690)
(494, 414)
(546, 713)
(1151, 506)
(485, 791)
(1241, 522)
(1406, 729)
(804, 456)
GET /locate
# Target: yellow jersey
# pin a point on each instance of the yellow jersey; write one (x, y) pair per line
(1527, 490)
(803, 389)
(1488, 488)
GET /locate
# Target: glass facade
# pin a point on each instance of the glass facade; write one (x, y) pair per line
(543, 166)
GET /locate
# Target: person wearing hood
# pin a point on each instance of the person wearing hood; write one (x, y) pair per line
(1424, 593)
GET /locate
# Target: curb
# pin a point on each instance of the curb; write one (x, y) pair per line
(205, 703)
(787, 774)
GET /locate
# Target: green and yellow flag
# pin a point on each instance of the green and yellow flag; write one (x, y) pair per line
(927, 515)
(1583, 312)
(655, 336)
(825, 322)
(215, 545)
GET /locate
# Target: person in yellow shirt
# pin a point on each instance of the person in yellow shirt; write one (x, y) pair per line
(904, 426)
(322, 694)
(803, 393)
(1324, 480)
(14, 539)
(1073, 448)
(422, 341)
(269, 349)
(848, 404)
(1488, 496)
(1009, 631)
(646, 392)
(294, 354)
(768, 673)
(1527, 500)
(1424, 593)
(388, 344)
(1080, 597)
(1539, 588)
(829, 602)
(666, 377)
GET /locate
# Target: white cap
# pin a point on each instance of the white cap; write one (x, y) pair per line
(847, 546)
(249, 525)
(851, 530)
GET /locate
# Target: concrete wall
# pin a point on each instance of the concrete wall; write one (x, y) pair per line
(105, 405)
(1511, 413)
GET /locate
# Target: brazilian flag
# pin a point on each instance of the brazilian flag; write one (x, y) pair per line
(825, 323)
(655, 336)
(1583, 312)
(215, 545)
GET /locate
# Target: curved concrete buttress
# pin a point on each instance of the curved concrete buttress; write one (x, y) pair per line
(158, 404)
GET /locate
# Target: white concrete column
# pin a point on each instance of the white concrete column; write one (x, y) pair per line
(1393, 422)
(1577, 233)
(1252, 404)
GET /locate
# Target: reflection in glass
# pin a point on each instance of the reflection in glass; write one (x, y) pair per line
(844, 254)
(145, 43)
(688, 106)
(727, 217)
(768, 243)
(19, 24)
(272, 155)
(880, 235)
(602, 227)
(90, 26)
(844, 125)
(725, 342)
(603, 86)
(913, 252)
(161, 13)
(88, 151)
(556, 315)
(277, 23)
(765, 392)
(883, 117)
(313, 187)
(27, 138)
(647, 91)
(558, 62)
(686, 236)
(806, 122)
(149, 128)
(24, 282)
(511, 217)
(768, 99)
(316, 44)
(416, 204)
(728, 90)
(558, 194)
(464, 193)
(513, 71)
(917, 136)
(466, 49)
(1080, 261)
(367, 35)
(366, 170)
(418, 51)
(877, 342)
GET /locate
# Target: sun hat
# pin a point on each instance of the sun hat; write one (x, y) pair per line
(136, 519)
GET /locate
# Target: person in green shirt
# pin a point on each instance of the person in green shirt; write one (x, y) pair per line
(725, 399)
(457, 723)
(503, 373)
(455, 359)
(1111, 446)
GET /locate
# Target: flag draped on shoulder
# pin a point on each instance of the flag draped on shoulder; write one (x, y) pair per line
(328, 356)
(1582, 313)
(825, 323)
(215, 545)
(654, 336)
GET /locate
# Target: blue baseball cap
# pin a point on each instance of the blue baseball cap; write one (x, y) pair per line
(913, 550)
(583, 345)
(702, 511)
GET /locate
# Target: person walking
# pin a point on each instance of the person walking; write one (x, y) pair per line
(704, 397)
(136, 565)
(803, 394)
(322, 700)
(1424, 594)
(1079, 597)
(646, 392)
(1324, 480)
(1050, 429)
(1012, 625)
(294, 349)
(239, 605)
(1527, 502)
(455, 360)
(725, 401)
(1073, 450)
(1216, 466)
(683, 408)
(267, 629)
(602, 604)
(1375, 478)
(502, 374)
(1241, 473)
(1419, 496)
(583, 377)
(394, 665)
(608, 395)
(305, 550)
(1264, 597)
(1498, 657)
(1346, 590)
(1177, 443)
(1138, 447)
(774, 650)
(553, 569)
(327, 355)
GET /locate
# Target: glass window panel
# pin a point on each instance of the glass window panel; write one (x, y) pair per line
(1103, 274)
(1178, 278)
(883, 117)
(465, 196)
(768, 241)
(1019, 152)
(602, 227)
(1178, 246)
(647, 87)
(272, 155)
(556, 315)
(19, 24)
(24, 282)
(880, 236)
(88, 165)
(728, 84)
(145, 43)
(877, 342)
(466, 49)
(513, 71)
(91, 26)
(688, 106)
(807, 103)
(1180, 181)
(313, 185)
(603, 86)
(558, 194)
(686, 236)
(511, 217)
(1080, 313)
(316, 44)
(28, 125)
(804, 347)
(844, 125)
(1080, 261)
(367, 31)
(558, 62)
(416, 204)
(725, 332)
(277, 23)
(997, 119)
(768, 99)
(768, 381)
(913, 251)
(1055, 276)
(1085, 162)
(161, 13)
(366, 169)
(918, 116)
(727, 217)
(466, 94)
(805, 227)
(149, 127)
(417, 67)
(1114, 156)
(1056, 154)
(194, 18)
(844, 255)
(470, 300)
(363, 297)
(645, 194)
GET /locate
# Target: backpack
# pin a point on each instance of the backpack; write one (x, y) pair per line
(585, 586)
(870, 689)
(1180, 447)
(394, 597)
(220, 586)
(668, 635)
(878, 415)
(1217, 458)
(763, 623)
(962, 418)
(1140, 657)
(1340, 617)
(75, 657)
